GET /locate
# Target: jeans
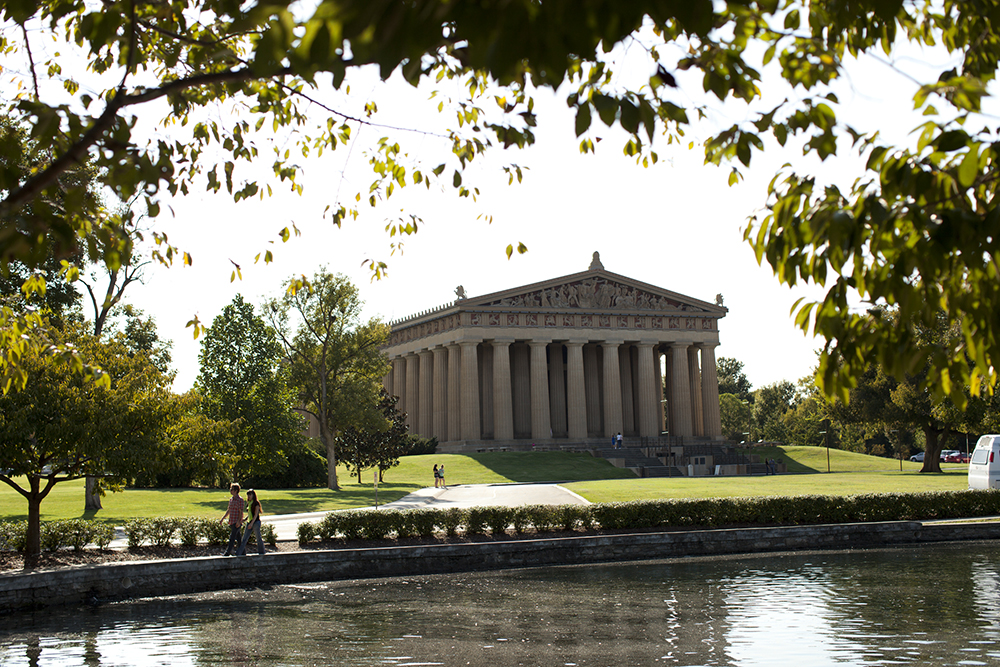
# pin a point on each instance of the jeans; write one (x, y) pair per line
(235, 533)
(255, 529)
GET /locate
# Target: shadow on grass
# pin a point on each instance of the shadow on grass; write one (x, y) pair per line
(549, 466)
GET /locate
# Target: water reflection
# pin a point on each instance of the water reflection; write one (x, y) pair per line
(930, 605)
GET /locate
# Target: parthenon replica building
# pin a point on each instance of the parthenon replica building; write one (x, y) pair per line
(571, 360)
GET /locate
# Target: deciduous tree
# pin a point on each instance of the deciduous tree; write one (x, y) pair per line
(244, 382)
(335, 361)
(60, 428)
(918, 229)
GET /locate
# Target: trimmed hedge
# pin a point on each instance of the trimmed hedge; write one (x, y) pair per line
(161, 532)
(655, 514)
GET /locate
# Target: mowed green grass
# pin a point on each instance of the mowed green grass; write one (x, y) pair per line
(65, 501)
(594, 479)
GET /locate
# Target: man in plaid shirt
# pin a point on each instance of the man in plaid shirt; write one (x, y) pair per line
(235, 515)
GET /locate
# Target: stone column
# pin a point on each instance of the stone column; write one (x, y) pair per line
(679, 380)
(612, 389)
(694, 380)
(576, 400)
(625, 375)
(658, 378)
(486, 391)
(710, 392)
(541, 422)
(412, 392)
(470, 391)
(387, 381)
(426, 400)
(592, 384)
(399, 382)
(454, 392)
(520, 384)
(647, 391)
(557, 390)
(503, 413)
(440, 394)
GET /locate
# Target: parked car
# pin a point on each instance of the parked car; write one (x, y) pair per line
(918, 457)
(955, 457)
(946, 453)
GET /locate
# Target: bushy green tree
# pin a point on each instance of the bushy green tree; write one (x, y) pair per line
(734, 413)
(379, 446)
(243, 381)
(60, 428)
(732, 379)
(334, 358)
(770, 404)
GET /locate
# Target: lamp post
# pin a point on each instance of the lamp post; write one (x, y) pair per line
(826, 439)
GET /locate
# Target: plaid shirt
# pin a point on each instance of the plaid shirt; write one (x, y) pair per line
(236, 505)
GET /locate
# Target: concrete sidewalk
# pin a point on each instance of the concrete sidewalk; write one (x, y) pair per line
(460, 495)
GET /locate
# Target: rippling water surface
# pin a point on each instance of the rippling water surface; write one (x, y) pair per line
(909, 606)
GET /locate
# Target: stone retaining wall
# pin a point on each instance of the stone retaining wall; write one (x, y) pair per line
(116, 581)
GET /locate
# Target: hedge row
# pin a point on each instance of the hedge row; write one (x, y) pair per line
(161, 532)
(644, 514)
(75, 533)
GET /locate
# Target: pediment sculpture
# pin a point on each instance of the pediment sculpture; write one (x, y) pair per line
(594, 293)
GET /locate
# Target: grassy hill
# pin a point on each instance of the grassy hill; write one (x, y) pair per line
(593, 478)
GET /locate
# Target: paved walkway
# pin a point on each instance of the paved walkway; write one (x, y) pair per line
(460, 495)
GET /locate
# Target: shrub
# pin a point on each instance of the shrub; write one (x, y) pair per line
(137, 531)
(450, 519)
(417, 445)
(542, 517)
(498, 518)
(569, 517)
(402, 523)
(306, 532)
(77, 533)
(351, 524)
(476, 521)
(269, 534)
(423, 521)
(52, 535)
(161, 530)
(103, 533)
(13, 535)
(521, 520)
(189, 531)
(214, 532)
(329, 526)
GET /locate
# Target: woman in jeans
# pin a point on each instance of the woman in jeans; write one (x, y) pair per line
(253, 526)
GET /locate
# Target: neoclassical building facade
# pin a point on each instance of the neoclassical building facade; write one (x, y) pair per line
(572, 360)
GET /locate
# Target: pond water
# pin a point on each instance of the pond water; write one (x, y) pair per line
(935, 605)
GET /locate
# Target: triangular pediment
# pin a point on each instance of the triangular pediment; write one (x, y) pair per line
(596, 290)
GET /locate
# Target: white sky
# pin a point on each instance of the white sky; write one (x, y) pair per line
(677, 225)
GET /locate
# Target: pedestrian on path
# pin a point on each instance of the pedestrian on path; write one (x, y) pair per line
(437, 477)
(235, 515)
(441, 476)
(253, 525)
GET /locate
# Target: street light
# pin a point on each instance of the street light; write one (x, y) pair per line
(826, 438)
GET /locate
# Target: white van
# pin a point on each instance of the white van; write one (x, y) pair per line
(984, 467)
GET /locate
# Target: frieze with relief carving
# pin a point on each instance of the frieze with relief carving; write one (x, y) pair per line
(594, 293)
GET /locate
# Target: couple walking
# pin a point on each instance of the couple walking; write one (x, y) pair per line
(235, 515)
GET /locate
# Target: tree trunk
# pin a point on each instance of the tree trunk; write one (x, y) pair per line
(33, 544)
(92, 499)
(932, 451)
(331, 455)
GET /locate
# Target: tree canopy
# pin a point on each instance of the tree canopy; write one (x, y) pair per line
(918, 229)
(243, 382)
(334, 359)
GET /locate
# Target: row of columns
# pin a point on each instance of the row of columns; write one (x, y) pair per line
(503, 390)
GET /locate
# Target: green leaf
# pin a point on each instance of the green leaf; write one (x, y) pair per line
(582, 118)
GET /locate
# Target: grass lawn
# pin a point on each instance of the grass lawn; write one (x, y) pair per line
(65, 501)
(594, 479)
